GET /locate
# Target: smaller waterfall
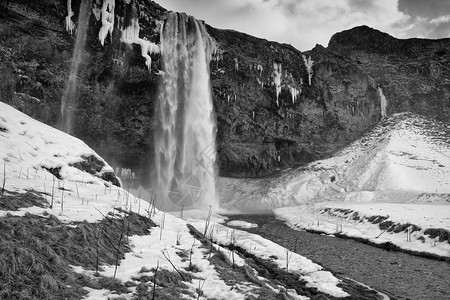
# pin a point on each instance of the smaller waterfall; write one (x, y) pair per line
(383, 102)
(68, 101)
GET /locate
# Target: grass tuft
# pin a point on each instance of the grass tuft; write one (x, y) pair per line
(36, 251)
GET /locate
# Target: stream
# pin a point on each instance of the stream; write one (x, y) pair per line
(396, 274)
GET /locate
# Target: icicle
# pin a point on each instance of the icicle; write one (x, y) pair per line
(107, 20)
(130, 35)
(309, 67)
(70, 26)
(96, 10)
(294, 93)
(253, 112)
(217, 54)
(236, 64)
(260, 69)
(277, 79)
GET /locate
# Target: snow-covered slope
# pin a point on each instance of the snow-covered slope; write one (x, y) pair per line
(41, 160)
(404, 159)
(31, 148)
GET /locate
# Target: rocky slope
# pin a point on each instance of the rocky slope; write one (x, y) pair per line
(269, 116)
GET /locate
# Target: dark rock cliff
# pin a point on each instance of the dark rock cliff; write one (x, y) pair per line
(259, 132)
(414, 73)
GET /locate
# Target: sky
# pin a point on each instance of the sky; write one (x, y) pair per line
(305, 23)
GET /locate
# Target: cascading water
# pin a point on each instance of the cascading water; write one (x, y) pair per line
(383, 102)
(68, 101)
(185, 150)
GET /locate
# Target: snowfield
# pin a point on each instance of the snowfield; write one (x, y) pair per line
(400, 169)
(338, 218)
(29, 149)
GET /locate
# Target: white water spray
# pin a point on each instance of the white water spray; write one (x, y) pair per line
(68, 101)
(185, 150)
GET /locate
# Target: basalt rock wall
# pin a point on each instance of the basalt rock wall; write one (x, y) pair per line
(269, 116)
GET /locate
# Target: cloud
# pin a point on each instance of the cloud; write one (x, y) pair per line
(424, 8)
(428, 19)
(303, 23)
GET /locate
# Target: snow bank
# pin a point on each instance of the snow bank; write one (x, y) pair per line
(404, 159)
(352, 219)
(324, 281)
(31, 148)
(241, 224)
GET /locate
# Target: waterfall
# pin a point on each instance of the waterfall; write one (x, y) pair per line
(383, 102)
(184, 141)
(68, 101)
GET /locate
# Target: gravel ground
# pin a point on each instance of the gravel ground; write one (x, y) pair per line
(398, 275)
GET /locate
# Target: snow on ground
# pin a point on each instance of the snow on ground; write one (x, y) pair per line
(400, 169)
(318, 218)
(29, 148)
(323, 280)
(242, 224)
(404, 159)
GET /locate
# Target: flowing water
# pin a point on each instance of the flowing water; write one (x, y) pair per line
(68, 101)
(383, 102)
(399, 275)
(185, 150)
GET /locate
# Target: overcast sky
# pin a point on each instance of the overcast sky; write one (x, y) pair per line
(304, 23)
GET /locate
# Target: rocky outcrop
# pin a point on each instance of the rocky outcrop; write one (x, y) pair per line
(413, 73)
(92, 165)
(261, 131)
(269, 116)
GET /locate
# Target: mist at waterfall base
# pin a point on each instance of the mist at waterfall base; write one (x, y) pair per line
(184, 141)
(68, 101)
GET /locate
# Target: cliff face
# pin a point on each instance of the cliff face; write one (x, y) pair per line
(257, 135)
(114, 89)
(269, 116)
(414, 73)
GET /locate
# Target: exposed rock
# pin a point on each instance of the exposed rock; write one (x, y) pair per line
(414, 73)
(94, 166)
(54, 171)
(269, 117)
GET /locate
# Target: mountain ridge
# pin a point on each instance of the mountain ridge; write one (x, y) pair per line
(366, 38)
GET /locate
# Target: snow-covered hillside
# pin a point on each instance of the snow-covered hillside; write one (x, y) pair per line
(404, 159)
(71, 200)
(390, 186)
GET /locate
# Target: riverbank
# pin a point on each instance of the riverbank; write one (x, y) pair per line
(396, 274)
